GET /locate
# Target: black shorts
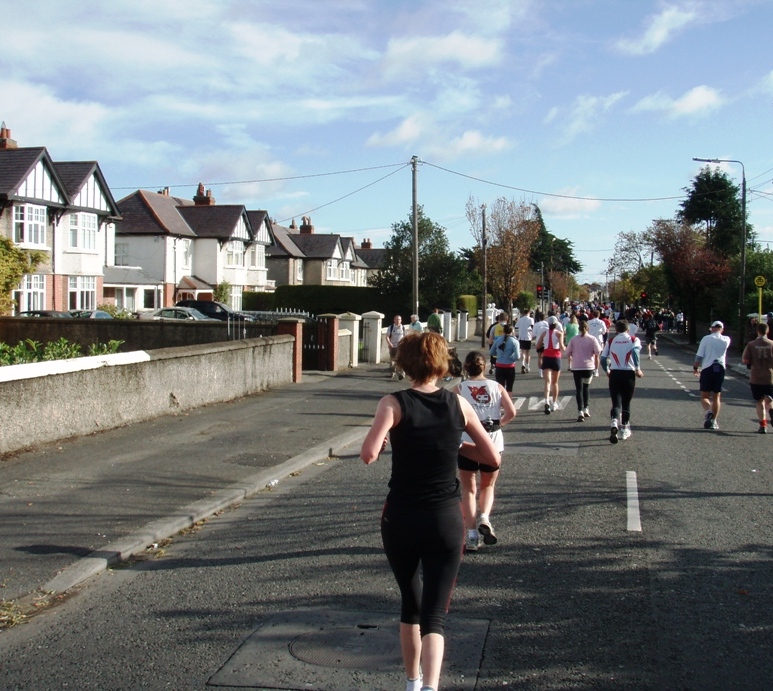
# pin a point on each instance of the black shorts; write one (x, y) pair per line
(651, 339)
(525, 345)
(464, 463)
(553, 363)
(712, 378)
(760, 391)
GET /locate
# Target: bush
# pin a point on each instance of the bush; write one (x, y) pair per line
(469, 304)
(32, 351)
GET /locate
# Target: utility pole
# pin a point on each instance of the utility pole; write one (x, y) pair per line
(414, 165)
(484, 303)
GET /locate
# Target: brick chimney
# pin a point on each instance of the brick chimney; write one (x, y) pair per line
(293, 226)
(164, 192)
(306, 227)
(5, 138)
(201, 199)
(366, 244)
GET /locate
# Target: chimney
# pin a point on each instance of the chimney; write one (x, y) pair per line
(164, 192)
(366, 244)
(201, 199)
(5, 138)
(306, 227)
(293, 226)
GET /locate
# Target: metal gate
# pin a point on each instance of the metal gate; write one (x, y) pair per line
(315, 335)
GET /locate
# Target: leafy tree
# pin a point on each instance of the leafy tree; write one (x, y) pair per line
(691, 267)
(14, 263)
(632, 252)
(512, 230)
(442, 274)
(714, 201)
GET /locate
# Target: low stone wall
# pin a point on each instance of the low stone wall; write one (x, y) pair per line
(44, 402)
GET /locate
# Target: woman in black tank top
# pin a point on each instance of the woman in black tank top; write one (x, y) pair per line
(421, 524)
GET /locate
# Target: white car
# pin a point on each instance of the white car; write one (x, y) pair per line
(177, 314)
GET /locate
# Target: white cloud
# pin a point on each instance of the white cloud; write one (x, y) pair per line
(660, 29)
(408, 131)
(571, 205)
(700, 100)
(585, 113)
(406, 56)
(468, 144)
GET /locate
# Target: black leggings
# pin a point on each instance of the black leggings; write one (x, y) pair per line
(506, 377)
(622, 383)
(432, 540)
(582, 380)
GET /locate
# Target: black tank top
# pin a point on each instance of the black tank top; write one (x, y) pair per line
(425, 446)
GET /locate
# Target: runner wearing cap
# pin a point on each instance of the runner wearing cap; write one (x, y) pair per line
(710, 362)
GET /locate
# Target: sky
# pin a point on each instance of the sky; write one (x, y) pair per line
(592, 109)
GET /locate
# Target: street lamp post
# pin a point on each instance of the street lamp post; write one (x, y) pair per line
(742, 287)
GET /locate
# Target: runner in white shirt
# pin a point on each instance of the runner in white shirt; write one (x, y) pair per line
(620, 360)
(597, 329)
(710, 360)
(525, 326)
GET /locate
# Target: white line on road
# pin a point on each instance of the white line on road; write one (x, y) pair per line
(634, 520)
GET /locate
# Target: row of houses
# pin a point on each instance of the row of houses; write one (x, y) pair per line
(150, 249)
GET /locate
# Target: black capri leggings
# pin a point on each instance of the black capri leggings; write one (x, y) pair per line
(424, 543)
(622, 383)
(582, 380)
(506, 377)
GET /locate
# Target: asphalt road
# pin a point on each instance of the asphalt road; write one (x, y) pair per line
(572, 597)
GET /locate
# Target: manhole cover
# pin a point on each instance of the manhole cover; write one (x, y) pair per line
(362, 647)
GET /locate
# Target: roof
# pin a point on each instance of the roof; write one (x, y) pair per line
(317, 246)
(283, 243)
(151, 213)
(373, 258)
(16, 165)
(75, 174)
(191, 282)
(128, 275)
(217, 221)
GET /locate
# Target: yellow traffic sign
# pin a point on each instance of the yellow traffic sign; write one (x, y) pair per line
(759, 281)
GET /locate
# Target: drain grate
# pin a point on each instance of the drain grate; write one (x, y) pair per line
(361, 647)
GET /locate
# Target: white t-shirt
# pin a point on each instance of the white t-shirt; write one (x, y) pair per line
(713, 348)
(524, 328)
(597, 329)
(486, 400)
(395, 333)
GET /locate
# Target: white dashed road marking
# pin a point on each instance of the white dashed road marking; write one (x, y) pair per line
(632, 492)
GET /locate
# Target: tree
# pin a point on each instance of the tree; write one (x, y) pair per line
(693, 270)
(512, 230)
(14, 263)
(632, 252)
(442, 274)
(714, 200)
(551, 254)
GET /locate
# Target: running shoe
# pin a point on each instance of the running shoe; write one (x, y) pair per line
(613, 430)
(708, 418)
(547, 408)
(523, 369)
(762, 430)
(540, 374)
(485, 529)
(554, 406)
(580, 417)
(471, 541)
(625, 433)
(713, 424)
(586, 412)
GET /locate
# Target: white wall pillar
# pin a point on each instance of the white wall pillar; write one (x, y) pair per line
(371, 336)
(461, 325)
(351, 322)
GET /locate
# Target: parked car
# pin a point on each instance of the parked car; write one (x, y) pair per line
(50, 314)
(177, 314)
(91, 314)
(216, 310)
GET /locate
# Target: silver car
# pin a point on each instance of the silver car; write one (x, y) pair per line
(177, 314)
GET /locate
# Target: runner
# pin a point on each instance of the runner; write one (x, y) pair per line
(620, 360)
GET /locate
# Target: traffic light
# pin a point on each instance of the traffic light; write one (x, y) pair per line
(539, 291)
(644, 296)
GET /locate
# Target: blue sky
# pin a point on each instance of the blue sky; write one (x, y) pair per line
(593, 109)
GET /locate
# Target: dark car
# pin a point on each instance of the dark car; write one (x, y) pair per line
(49, 314)
(216, 310)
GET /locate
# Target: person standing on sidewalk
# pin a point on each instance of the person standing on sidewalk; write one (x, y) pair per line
(434, 322)
(758, 357)
(710, 360)
(415, 324)
(551, 342)
(508, 353)
(395, 333)
(495, 409)
(620, 360)
(422, 527)
(583, 355)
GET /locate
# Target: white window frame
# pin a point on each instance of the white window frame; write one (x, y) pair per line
(31, 293)
(83, 229)
(187, 253)
(345, 271)
(122, 254)
(82, 292)
(126, 298)
(234, 256)
(29, 225)
(331, 269)
(299, 270)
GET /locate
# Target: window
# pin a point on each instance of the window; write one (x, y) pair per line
(82, 293)
(234, 254)
(345, 271)
(187, 253)
(124, 298)
(331, 269)
(257, 257)
(122, 254)
(236, 297)
(31, 294)
(299, 270)
(149, 298)
(83, 231)
(29, 225)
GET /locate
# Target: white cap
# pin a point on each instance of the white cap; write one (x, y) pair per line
(717, 324)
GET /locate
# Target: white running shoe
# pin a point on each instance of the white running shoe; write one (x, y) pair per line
(580, 417)
(613, 431)
(554, 406)
(586, 412)
(625, 433)
(485, 529)
(471, 541)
